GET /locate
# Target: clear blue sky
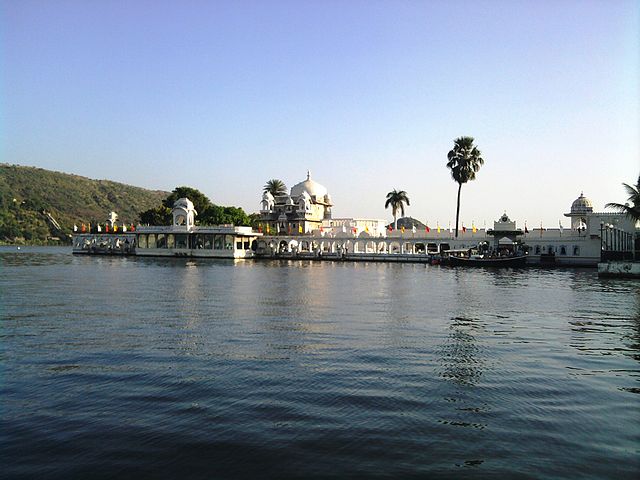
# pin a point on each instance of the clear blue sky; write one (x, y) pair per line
(368, 95)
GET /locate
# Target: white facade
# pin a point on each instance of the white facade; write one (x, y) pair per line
(300, 212)
(374, 227)
(580, 245)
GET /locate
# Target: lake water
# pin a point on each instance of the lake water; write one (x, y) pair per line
(174, 368)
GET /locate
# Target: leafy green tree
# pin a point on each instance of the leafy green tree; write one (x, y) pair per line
(156, 216)
(9, 227)
(464, 160)
(219, 215)
(200, 201)
(632, 207)
(275, 187)
(396, 199)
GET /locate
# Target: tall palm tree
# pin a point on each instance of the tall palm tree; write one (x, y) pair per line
(275, 187)
(464, 161)
(396, 199)
(632, 208)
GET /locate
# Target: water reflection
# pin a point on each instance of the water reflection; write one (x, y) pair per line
(359, 369)
(26, 256)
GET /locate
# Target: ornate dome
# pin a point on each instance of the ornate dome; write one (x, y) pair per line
(581, 205)
(314, 189)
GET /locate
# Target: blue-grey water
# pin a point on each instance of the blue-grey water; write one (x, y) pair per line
(175, 368)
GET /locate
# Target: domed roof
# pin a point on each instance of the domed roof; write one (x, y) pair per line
(312, 188)
(184, 203)
(581, 205)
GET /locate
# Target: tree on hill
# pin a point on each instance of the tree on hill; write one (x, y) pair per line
(396, 199)
(464, 160)
(275, 187)
(632, 207)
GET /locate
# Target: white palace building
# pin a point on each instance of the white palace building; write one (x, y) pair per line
(300, 225)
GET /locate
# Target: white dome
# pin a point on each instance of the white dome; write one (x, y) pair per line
(581, 205)
(314, 189)
(184, 203)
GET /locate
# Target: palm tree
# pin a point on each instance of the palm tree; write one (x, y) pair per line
(633, 210)
(464, 161)
(275, 187)
(396, 199)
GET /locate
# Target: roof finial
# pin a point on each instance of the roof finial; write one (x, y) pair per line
(308, 175)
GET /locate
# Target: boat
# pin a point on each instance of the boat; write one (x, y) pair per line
(480, 261)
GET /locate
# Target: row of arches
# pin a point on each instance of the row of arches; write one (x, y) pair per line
(332, 246)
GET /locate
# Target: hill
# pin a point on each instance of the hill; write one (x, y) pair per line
(408, 223)
(41, 206)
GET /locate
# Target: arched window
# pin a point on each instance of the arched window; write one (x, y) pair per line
(563, 250)
(576, 250)
(537, 249)
(551, 249)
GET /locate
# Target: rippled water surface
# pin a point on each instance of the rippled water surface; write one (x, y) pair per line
(175, 368)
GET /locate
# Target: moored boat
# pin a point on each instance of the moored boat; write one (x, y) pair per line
(477, 261)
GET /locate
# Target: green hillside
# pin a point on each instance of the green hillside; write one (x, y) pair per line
(27, 194)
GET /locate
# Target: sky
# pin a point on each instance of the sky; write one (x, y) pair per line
(367, 95)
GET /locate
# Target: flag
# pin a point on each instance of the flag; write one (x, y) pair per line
(427, 228)
(289, 229)
(366, 228)
(344, 229)
(115, 227)
(413, 228)
(402, 228)
(354, 230)
(75, 227)
(259, 228)
(106, 228)
(321, 229)
(561, 227)
(390, 228)
(132, 228)
(300, 228)
(473, 227)
(526, 230)
(464, 229)
(98, 228)
(268, 229)
(124, 227)
(438, 226)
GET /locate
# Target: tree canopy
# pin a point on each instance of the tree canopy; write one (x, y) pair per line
(632, 207)
(396, 199)
(464, 161)
(275, 187)
(200, 201)
(208, 212)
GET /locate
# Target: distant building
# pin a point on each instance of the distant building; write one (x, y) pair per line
(374, 227)
(300, 212)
